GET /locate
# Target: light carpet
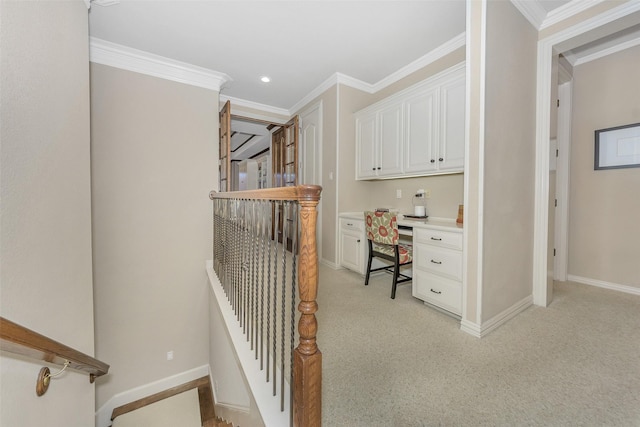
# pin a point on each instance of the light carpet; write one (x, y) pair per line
(400, 363)
(181, 410)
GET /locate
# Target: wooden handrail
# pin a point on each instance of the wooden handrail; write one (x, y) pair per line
(299, 192)
(307, 358)
(17, 339)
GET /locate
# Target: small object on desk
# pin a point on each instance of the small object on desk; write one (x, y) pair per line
(382, 209)
(460, 214)
(419, 206)
(415, 216)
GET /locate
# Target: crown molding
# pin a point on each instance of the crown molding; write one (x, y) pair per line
(541, 19)
(443, 50)
(126, 58)
(256, 106)
(336, 78)
(567, 11)
(531, 10)
(339, 78)
(609, 51)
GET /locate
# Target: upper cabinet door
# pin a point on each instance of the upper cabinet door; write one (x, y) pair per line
(421, 130)
(452, 134)
(391, 137)
(366, 156)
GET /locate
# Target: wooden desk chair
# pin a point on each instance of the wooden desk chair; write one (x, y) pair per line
(383, 238)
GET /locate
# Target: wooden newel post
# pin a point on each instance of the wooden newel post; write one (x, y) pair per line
(307, 359)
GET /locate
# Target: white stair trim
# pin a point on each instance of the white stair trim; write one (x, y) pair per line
(103, 415)
(268, 405)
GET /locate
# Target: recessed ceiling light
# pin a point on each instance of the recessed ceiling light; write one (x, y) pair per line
(265, 79)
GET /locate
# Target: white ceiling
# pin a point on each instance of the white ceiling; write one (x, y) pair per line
(301, 44)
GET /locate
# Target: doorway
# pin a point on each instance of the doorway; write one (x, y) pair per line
(609, 22)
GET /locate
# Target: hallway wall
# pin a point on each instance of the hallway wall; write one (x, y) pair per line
(604, 204)
(154, 161)
(45, 279)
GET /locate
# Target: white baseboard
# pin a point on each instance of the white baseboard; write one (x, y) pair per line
(471, 328)
(331, 264)
(602, 284)
(103, 415)
(496, 321)
(506, 315)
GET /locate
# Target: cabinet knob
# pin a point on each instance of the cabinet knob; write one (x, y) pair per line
(358, 240)
(440, 159)
(436, 262)
(436, 292)
(373, 169)
(379, 168)
(433, 161)
(437, 239)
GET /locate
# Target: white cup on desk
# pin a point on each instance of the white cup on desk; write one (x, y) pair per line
(419, 211)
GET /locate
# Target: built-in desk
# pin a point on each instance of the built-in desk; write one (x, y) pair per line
(437, 256)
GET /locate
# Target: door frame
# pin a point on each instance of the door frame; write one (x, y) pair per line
(318, 160)
(546, 46)
(563, 174)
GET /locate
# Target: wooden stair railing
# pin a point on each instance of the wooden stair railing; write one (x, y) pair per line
(307, 358)
(17, 339)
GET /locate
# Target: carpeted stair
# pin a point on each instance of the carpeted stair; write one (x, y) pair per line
(188, 404)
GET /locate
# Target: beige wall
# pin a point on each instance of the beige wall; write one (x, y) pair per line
(330, 155)
(46, 203)
(605, 204)
(153, 158)
(508, 159)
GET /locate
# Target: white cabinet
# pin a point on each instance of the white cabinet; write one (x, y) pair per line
(421, 123)
(353, 245)
(366, 147)
(437, 268)
(379, 136)
(452, 124)
(418, 131)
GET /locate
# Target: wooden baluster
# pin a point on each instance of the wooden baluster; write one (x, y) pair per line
(307, 359)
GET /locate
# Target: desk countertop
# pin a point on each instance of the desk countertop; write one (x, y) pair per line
(437, 223)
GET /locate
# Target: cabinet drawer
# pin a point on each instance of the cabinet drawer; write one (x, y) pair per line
(446, 262)
(352, 224)
(436, 290)
(445, 239)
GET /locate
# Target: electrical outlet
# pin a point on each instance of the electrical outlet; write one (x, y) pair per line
(427, 193)
(170, 355)
(398, 194)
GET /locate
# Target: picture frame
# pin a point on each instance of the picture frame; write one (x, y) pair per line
(617, 147)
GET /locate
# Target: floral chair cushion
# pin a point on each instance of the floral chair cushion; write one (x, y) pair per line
(405, 251)
(382, 230)
(381, 227)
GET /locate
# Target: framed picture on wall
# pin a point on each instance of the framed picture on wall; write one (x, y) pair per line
(618, 147)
